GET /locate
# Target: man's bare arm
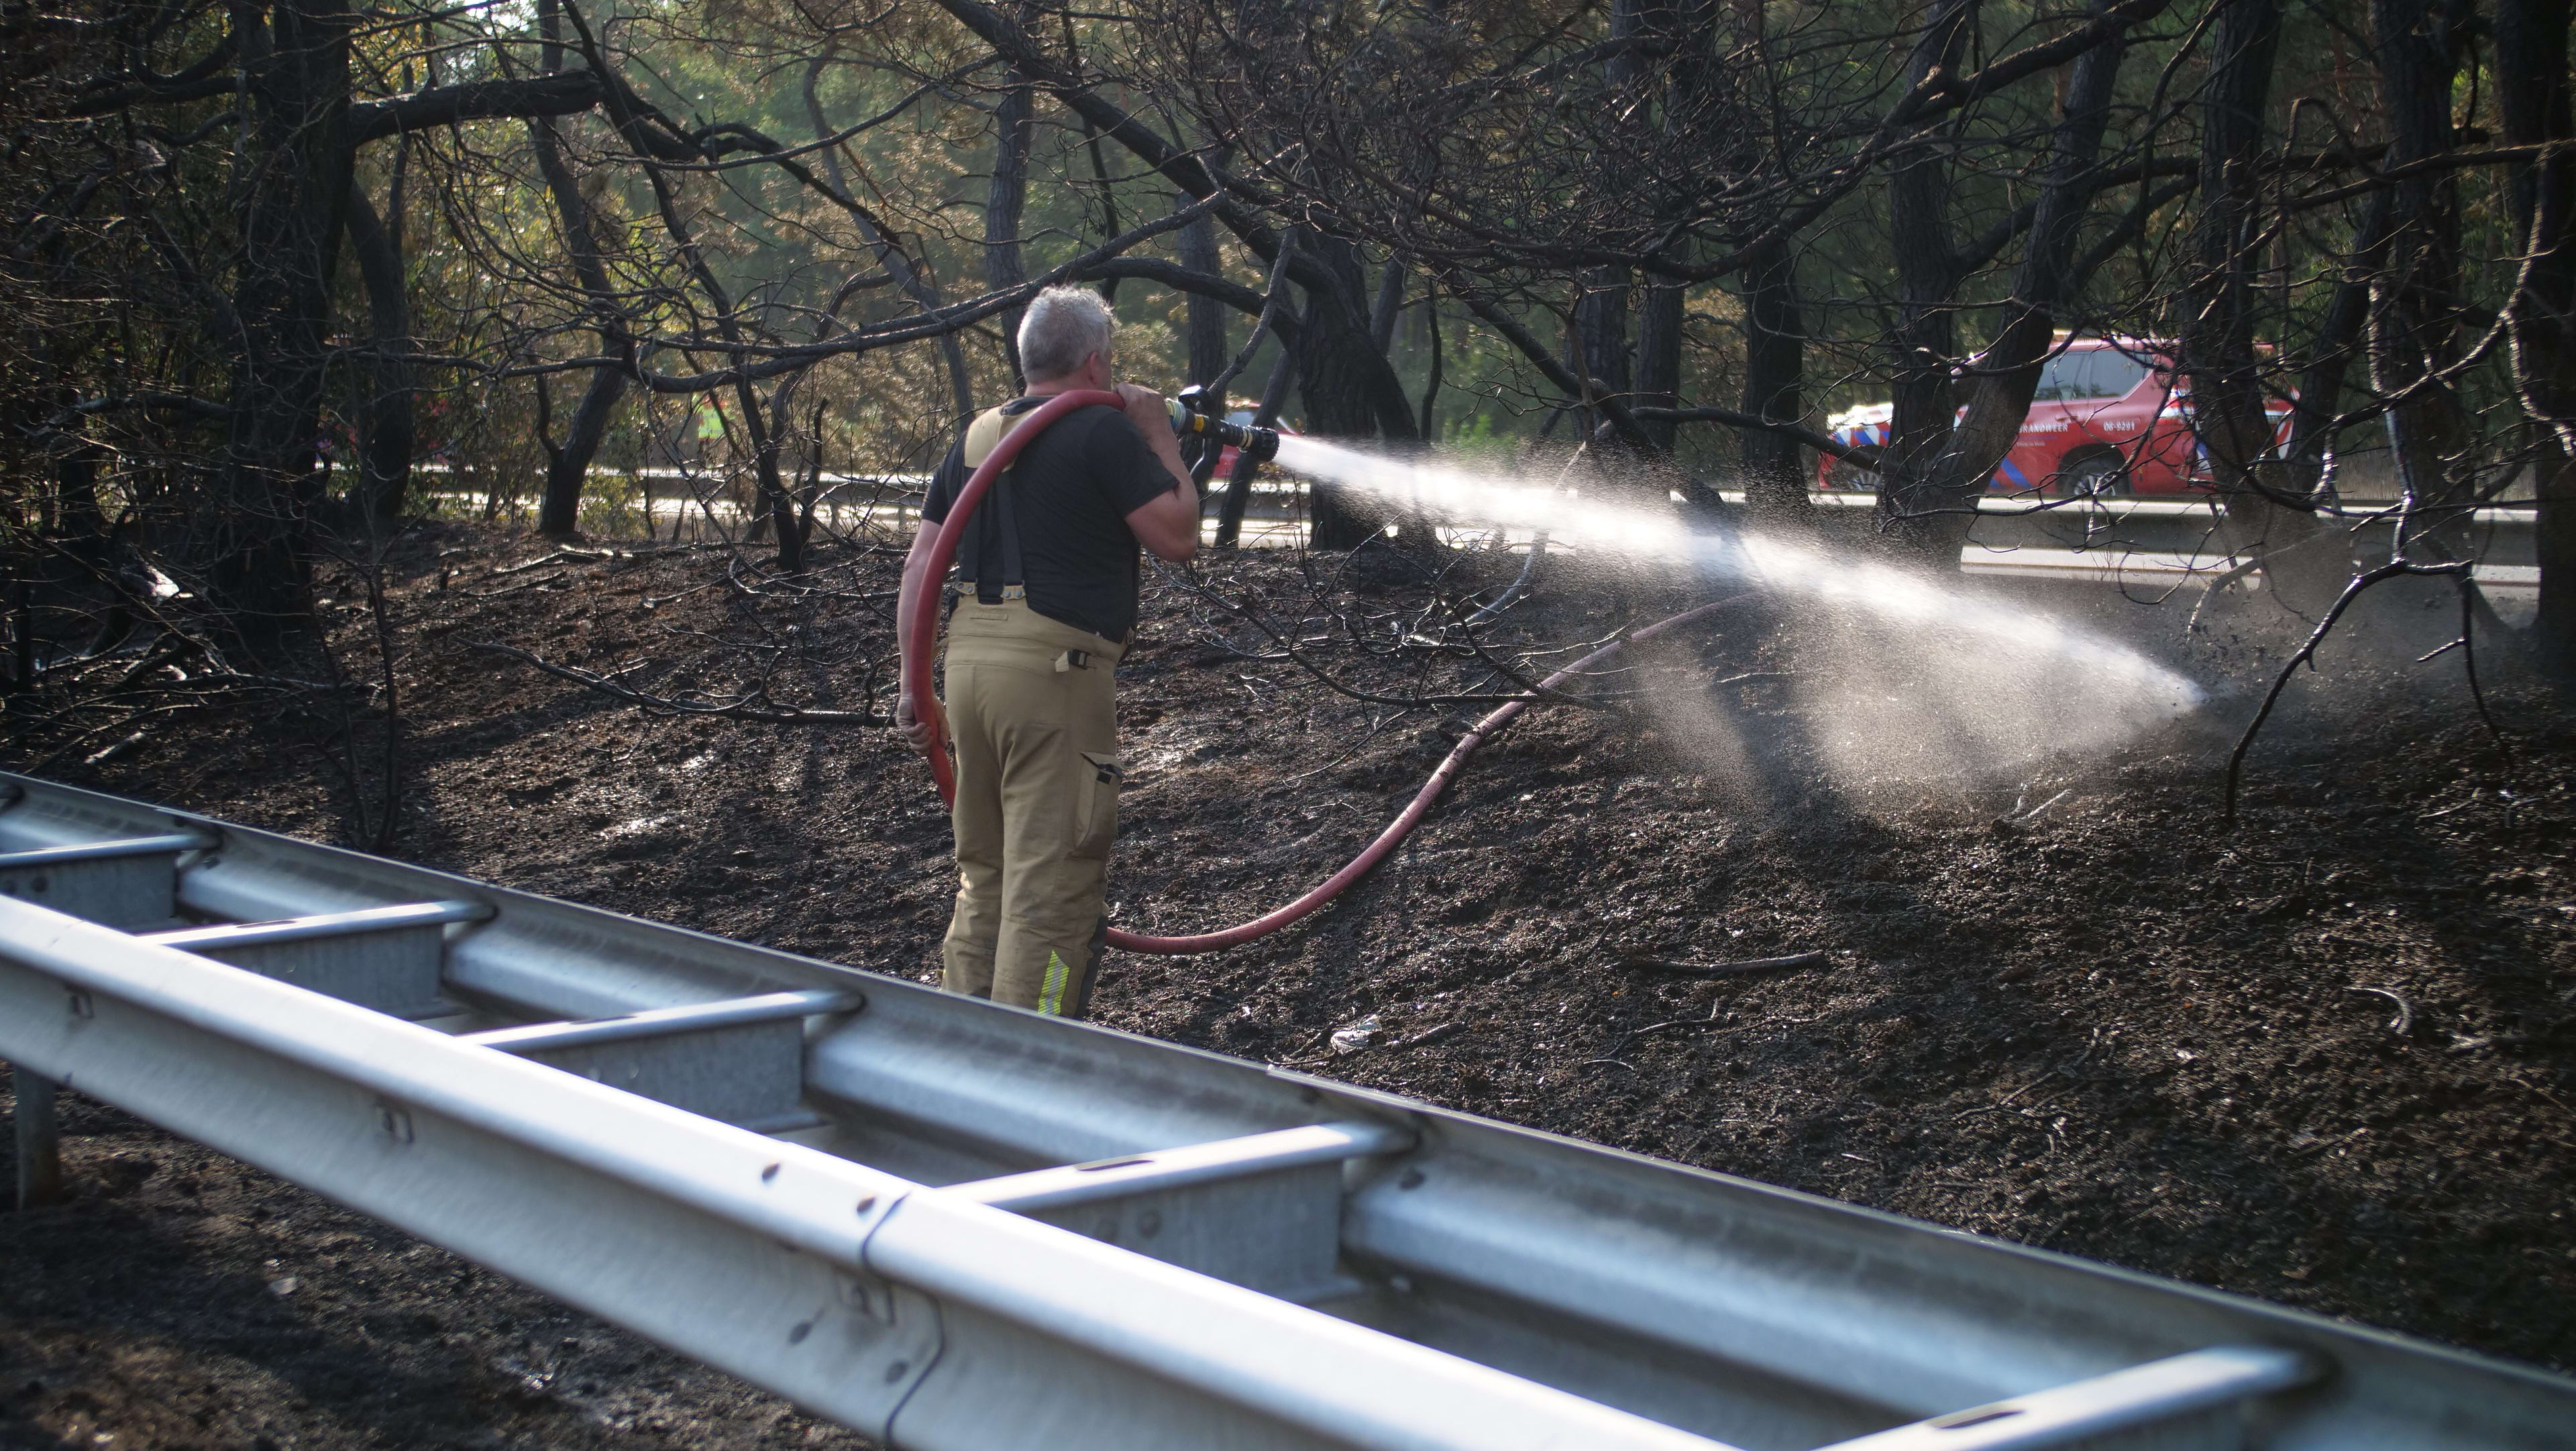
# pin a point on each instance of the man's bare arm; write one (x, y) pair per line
(909, 717)
(1169, 526)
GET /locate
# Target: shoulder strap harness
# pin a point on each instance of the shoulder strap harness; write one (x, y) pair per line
(997, 531)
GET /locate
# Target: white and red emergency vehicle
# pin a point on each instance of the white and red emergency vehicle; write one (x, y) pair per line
(2111, 417)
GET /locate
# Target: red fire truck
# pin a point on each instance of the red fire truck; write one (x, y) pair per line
(2110, 418)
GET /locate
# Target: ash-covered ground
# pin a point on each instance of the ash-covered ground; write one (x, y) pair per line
(2123, 1029)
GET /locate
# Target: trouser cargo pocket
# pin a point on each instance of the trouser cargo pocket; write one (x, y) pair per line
(1096, 817)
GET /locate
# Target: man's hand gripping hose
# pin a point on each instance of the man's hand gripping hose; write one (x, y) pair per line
(925, 631)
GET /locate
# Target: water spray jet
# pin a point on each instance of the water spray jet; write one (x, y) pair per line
(1890, 595)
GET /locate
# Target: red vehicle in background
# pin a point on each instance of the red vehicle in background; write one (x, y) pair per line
(2110, 418)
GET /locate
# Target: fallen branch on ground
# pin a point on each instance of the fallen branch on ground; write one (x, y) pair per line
(1430, 1035)
(110, 753)
(141, 719)
(749, 708)
(1289, 651)
(560, 556)
(507, 590)
(2307, 654)
(2007, 1100)
(572, 555)
(2016, 819)
(2404, 1022)
(1790, 963)
(1711, 1021)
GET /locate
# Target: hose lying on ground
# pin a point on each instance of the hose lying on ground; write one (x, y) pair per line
(925, 628)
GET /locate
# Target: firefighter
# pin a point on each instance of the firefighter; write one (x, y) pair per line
(1045, 604)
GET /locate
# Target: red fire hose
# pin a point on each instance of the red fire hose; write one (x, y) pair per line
(925, 627)
(943, 553)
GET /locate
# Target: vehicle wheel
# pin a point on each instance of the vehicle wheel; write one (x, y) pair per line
(2099, 476)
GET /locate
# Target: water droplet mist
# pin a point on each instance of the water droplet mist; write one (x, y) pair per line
(1897, 673)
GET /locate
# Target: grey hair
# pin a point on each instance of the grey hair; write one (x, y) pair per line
(1063, 326)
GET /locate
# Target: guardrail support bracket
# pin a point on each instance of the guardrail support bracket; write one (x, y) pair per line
(740, 1060)
(386, 958)
(1263, 1211)
(128, 883)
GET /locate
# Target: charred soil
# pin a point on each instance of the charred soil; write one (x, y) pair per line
(2323, 1057)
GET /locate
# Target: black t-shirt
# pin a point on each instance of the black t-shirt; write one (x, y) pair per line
(1072, 489)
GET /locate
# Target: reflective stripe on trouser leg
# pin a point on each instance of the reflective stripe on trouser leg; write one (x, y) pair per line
(1037, 804)
(1065, 991)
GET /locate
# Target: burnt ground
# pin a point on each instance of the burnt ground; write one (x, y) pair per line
(2123, 1030)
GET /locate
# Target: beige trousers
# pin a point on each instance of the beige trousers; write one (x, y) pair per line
(1033, 725)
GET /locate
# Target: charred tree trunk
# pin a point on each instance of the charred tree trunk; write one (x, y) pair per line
(776, 504)
(2532, 95)
(292, 186)
(2338, 336)
(1208, 354)
(1389, 304)
(385, 418)
(2268, 515)
(1344, 380)
(1692, 80)
(2007, 378)
(1430, 425)
(1659, 357)
(1014, 123)
(1942, 490)
(76, 516)
(2415, 322)
(1601, 336)
(1910, 491)
(1775, 474)
(781, 502)
(1601, 340)
(1238, 485)
(568, 463)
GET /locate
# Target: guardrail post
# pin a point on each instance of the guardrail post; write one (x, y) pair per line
(40, 1140)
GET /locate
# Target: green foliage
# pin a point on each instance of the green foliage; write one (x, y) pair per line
(1511, 151)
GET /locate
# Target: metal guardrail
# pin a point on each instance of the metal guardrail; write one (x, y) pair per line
(2185, 527)
(999, 1230)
